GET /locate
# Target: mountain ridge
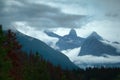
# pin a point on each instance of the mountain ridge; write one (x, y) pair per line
(55, 57)
(92, 45)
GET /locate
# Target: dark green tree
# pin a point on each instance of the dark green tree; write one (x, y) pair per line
(5, 64)
(35, 69)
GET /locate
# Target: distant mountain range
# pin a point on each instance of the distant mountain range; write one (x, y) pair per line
(92, 45)
(35, 45)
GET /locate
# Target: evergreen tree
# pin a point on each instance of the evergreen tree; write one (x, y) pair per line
(5, 64)
(35, 69)
(14, 51)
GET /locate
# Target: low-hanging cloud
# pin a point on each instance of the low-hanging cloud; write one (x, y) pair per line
(90, 60)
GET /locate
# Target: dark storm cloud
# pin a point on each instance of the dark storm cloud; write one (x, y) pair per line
(36, 15)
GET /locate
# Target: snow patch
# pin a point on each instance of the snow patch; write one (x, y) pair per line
(30, 31)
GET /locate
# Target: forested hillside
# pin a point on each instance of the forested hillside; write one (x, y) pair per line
(16, 64)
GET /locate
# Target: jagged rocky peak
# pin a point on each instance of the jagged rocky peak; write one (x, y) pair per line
(96, 35)
(72, 32)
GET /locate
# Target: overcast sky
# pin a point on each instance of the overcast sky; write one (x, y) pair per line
(102, 16)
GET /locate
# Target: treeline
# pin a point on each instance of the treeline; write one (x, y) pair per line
(16, 64)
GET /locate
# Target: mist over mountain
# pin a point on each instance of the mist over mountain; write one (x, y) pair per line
(94, 50)
(91, 45)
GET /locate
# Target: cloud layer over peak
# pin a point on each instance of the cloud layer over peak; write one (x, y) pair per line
(37, 15)
(102, 16)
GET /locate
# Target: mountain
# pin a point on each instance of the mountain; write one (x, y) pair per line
(94, 34)
(47, 52)
(72, 34)
(69, 41)
(93, 45)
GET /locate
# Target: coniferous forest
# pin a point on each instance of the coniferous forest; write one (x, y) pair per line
(16, 64)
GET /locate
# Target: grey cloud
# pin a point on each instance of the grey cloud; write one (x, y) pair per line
(1, 4)
(115, 15)
(37, 15)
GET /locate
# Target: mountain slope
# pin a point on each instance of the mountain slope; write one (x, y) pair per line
(93, 46)
(94, 34)
(47, 52)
